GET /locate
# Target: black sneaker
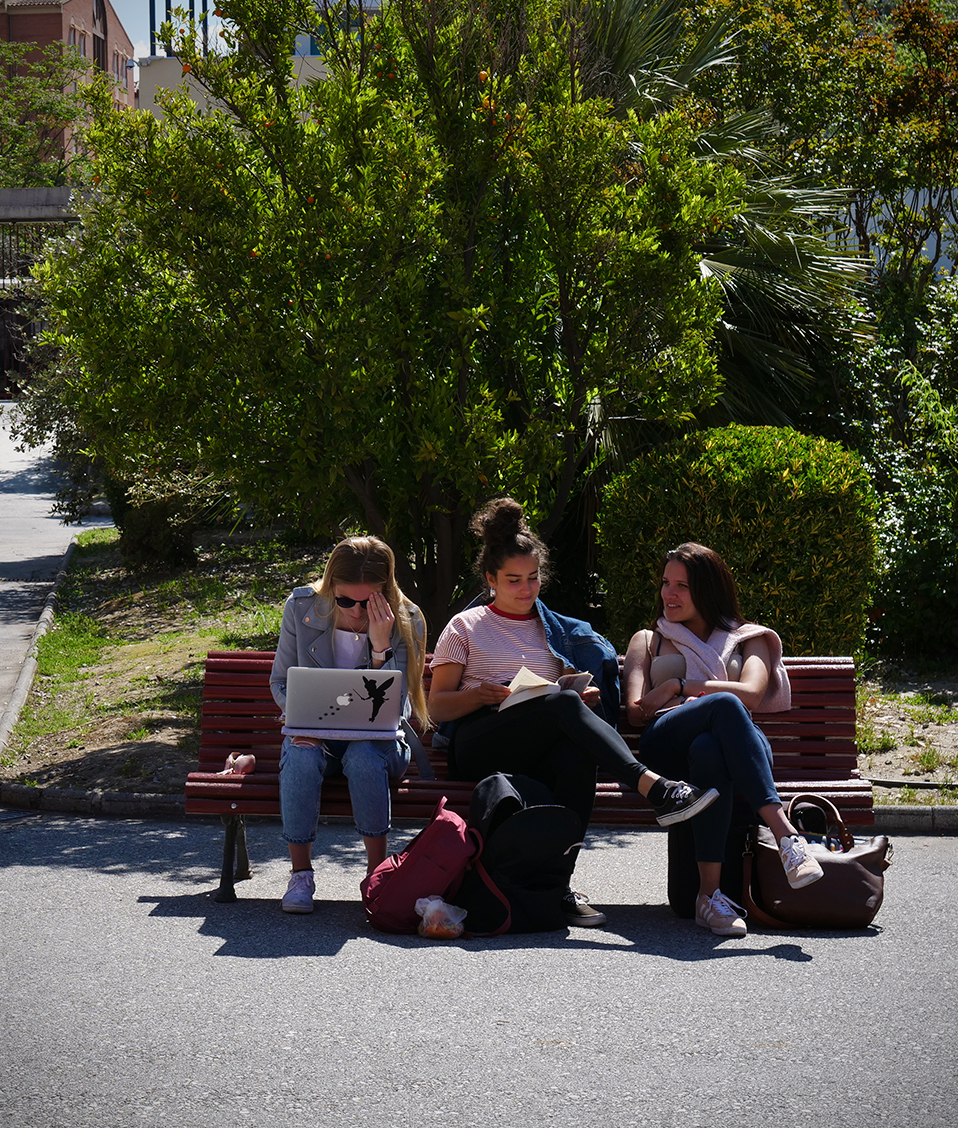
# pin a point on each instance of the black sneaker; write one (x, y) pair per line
(683, 801)
(579, 913)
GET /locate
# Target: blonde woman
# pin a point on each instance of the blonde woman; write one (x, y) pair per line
(356, 617)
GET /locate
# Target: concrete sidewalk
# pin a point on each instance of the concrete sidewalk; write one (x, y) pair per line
(33, 545)
(130, 997)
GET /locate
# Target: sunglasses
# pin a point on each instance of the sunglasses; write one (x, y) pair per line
(345, 601)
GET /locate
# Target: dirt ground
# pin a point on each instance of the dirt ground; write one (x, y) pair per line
(131, 722)
(905, 740)
(148, 747)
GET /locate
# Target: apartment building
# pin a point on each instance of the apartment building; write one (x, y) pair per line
(91, 26)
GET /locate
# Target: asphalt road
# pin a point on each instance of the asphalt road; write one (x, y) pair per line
(129, 997)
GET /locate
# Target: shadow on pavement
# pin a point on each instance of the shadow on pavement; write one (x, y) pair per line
(256, 928)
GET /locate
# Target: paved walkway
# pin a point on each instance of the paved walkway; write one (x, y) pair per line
(32, 547)
(130, 998)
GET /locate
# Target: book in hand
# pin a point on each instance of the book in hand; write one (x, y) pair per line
(526, 685)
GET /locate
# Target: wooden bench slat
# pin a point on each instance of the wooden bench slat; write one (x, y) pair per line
(813, 748)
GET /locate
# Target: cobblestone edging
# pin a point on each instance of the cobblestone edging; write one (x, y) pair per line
(28, 669)
(72, 801)
(915, 819)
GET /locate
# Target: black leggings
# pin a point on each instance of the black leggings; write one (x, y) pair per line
(555, 739)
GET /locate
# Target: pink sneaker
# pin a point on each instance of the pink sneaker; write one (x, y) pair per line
(801, 868)
(720, 914)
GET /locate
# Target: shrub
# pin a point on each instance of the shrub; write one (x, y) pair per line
(909, 440)
(793, 516)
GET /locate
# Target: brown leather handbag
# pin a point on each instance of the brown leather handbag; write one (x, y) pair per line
(847, 897)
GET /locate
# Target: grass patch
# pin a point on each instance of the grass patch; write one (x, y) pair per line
(75, 643)
(871, 741)
(92, 538)
(122, 668)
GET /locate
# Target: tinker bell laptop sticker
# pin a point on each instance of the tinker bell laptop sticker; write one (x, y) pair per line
(335, 702)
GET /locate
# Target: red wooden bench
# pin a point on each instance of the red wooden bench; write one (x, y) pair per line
(813, 746)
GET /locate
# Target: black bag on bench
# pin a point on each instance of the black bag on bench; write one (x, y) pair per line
(527, 854)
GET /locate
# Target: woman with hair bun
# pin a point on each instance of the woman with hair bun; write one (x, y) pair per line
(356, 617)
(695, 676)
(559, 739)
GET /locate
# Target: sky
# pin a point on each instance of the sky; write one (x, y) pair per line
(135, 17)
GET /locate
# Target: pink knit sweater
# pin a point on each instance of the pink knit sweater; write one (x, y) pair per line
(707, 660)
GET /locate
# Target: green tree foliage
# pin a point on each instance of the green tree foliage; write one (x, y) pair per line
(866, 103)
(789, 288)
(793, 516)
(40, 100)
(901, 415)
(376, 299)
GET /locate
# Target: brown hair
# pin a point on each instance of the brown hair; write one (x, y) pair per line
(502, 526)
(711, 586)
(369, 560)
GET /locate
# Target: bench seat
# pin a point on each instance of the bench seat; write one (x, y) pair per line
(813, 748)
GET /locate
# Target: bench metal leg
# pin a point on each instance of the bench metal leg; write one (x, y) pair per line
(235, 858)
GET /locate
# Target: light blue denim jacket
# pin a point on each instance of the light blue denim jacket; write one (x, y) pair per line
(306, 639)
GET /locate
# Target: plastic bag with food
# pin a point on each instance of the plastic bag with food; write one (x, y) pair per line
(439, 920)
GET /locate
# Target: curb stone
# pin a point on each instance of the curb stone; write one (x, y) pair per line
(916, 819)
(28, 670)
(905, 819)
(127, 804)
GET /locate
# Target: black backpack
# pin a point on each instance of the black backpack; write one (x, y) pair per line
(527, 858)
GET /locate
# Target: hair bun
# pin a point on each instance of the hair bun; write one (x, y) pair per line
(499, 521)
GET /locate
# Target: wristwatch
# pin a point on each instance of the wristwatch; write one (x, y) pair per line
(383, 655)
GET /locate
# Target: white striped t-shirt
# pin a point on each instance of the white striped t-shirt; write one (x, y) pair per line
(492, 647)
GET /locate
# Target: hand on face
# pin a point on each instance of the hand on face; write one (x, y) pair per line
(381, 620)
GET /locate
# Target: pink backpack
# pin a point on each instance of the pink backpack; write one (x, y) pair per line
(433, 863)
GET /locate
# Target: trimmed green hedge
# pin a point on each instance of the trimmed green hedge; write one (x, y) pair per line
(793, 516)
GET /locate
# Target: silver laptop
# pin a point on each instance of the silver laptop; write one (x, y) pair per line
(343, 704)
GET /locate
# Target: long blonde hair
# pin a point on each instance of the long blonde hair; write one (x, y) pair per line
(369, 560)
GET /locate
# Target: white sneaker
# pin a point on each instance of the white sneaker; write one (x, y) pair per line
(299, 893)
(720, 914)
(801, 868)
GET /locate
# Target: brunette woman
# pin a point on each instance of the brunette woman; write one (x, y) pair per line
(694, 677)
(558, 739)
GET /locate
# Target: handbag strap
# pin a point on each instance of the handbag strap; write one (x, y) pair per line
(748, 901)
(845, 836)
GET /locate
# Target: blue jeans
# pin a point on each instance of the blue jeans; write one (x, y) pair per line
(712, 742)
(368, 766)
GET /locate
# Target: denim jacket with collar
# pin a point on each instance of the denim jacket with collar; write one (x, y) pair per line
(582, 648)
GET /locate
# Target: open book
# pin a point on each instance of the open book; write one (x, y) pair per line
(526, 685)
